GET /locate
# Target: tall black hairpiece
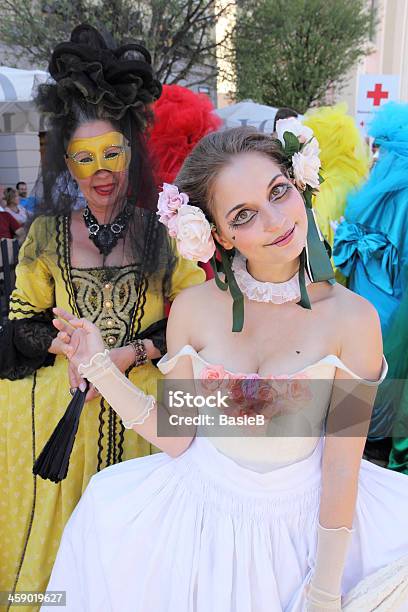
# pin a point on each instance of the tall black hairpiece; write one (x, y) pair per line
(116, 80)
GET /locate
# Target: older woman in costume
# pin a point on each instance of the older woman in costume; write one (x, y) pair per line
(110, 262)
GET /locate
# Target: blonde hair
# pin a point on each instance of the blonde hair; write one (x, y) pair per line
(9, 195)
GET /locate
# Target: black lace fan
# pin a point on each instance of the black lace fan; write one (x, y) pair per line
(53, 462)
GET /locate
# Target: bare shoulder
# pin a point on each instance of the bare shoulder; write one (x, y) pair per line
(190, 311)
(360, 332)
(197, 297)
(353, 308)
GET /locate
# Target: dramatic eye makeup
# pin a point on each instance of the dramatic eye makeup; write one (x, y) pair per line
(279, 190)
(276, 192)
(244, 216)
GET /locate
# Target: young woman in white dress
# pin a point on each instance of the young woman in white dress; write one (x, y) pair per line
(242, 524)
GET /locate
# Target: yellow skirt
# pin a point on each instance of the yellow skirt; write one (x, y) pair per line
(33, 511)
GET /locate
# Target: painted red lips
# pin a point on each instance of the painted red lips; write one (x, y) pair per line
(105, 189)
(283, 238)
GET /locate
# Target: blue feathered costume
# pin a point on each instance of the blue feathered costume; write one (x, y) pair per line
(371, 249)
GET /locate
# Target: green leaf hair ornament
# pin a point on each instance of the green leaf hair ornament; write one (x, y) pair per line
(315, 257)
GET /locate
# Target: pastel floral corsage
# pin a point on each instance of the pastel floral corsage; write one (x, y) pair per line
(250, 394)
(186, 223)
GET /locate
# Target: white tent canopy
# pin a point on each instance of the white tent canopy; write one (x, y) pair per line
(17, 91)
(20, 124)
(248, 113)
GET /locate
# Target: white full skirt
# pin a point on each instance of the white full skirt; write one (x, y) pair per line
(200, 533)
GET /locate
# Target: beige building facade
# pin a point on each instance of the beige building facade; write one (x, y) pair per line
(389, 51)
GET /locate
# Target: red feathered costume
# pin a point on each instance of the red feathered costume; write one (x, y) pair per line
(181, 118)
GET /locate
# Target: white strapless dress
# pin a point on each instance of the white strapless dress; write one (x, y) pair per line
(229, 526)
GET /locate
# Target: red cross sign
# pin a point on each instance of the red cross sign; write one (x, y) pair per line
(378, 94)
(374, 90)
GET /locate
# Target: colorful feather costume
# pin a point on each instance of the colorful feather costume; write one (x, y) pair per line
(345, 160)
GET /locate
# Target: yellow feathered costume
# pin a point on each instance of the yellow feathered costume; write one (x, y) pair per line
(345, 162)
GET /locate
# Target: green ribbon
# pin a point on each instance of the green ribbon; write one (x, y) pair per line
(231, 284)
(304, 297)
(236, 293)
(220, 284)
(317, 258)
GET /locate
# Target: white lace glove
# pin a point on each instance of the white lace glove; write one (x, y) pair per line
(324, 592)
(130, 403)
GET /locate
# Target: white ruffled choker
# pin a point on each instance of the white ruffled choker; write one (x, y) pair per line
(259, 291)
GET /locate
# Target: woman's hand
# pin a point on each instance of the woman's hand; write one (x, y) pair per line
(57, 347)
(123, 358)
(81, 338)
(320, 601)
(151, 351)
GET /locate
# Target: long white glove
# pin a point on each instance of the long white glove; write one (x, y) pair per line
(130, 403)
(324, 591)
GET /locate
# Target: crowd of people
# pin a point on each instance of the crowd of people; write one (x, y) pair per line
(14, 211)
(159, 249)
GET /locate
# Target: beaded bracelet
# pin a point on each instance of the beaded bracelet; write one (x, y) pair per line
(140, 352)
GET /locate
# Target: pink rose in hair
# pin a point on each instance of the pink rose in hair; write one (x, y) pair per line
(194, 238)
(170, 200)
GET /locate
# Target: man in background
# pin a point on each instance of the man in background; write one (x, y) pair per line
(22, 189)
(27, 202)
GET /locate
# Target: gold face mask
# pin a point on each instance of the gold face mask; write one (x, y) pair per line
(85, 156)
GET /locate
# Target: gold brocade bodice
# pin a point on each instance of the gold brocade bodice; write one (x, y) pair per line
(116, 299)
(106, 296)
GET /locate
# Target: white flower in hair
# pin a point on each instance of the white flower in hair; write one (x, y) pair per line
(306, 166)
(293, 125)
(194, 238)
(186, 223)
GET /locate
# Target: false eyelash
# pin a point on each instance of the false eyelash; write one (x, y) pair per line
(233, 224)
(287, 186)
